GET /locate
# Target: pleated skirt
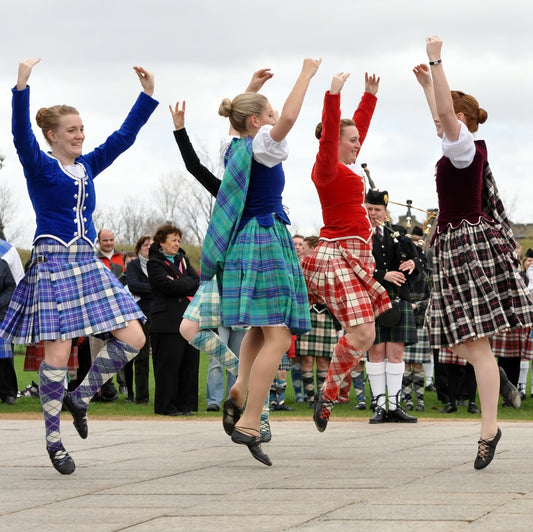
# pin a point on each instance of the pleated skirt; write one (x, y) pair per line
(70, 293)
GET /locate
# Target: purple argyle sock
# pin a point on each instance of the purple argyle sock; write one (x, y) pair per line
(113, 356)
(51, 391)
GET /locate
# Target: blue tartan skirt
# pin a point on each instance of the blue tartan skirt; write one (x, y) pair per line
(262, 282)
(70, 293)
(5, 349)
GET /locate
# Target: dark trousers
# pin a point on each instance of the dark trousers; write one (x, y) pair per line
(140, 366)
(511, 366)
(176, 366)
(8, 378)
(441, 379)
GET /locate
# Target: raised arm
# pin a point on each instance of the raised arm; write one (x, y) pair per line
(202, 174)
(146, 78)
(365, 110)
(24, 72)
(423, 76)
(443, 97)
(259, 78)
(327, 159)
(293, 104)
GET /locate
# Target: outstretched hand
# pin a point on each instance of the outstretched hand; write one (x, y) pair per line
(433, 47)
(310, 66)
(146, 78)
(423, 75)
(24, 72)
(338, 81)
(259, 78)
(372, 83)
(178, 115)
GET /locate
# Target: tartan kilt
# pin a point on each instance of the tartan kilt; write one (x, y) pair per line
(447, 357)
(419, 353)
(261, 283)
(405, 332)
(339, 274)
(35, 355)
(285, 363)
(509, 344)
(71, 294)
(205, 306)
(5, 349)
(321, 340)
(477, 288)
(527, 350)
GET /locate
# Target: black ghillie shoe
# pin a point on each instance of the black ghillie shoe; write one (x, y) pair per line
(253, 443)
(486, 450)
(323, 408)
(508, 390)
(79, 415)
(61, 460)
(230, 415)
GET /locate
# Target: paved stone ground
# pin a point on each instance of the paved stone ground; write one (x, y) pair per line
(179, 474)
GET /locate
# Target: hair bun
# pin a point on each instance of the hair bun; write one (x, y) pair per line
(225, 108)
(39, 115)
(482, 115)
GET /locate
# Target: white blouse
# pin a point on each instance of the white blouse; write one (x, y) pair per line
(461, 152)
(265, 149)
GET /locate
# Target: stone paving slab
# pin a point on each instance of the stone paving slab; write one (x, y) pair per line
(187, 475)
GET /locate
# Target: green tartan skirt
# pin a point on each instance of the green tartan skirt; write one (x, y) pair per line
(262, 282)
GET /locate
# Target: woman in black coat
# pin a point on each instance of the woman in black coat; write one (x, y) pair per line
(176, 362)
(139, 286)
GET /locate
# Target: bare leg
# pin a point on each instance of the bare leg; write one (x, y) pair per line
(479, 354)
(258, 370)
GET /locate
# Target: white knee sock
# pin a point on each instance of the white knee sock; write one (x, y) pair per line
(524, 370)
(376, 377)
(428, 370)
(394, 374)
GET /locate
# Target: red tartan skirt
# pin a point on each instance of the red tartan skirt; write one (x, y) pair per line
(513, 344)
(339, 274)
(35, 355)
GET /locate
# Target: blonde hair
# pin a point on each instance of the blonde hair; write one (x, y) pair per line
(469, 106)
(48, 118)
(241, 108)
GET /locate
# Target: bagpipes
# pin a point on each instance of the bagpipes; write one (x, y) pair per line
(427, 226)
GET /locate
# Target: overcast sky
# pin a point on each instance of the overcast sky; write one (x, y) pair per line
(203, 51)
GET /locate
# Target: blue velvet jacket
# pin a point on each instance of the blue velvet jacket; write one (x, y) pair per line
(63, 203)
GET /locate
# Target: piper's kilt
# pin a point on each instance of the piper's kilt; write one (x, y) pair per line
(447, 357)
(262, 282)
(71, 293)
(513, 344)
(339, 274)
(405, 332)
(205, 306)
(419, 353)
(477, 288)
(321, 339)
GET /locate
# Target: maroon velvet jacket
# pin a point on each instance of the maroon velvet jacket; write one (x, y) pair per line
(460, 191)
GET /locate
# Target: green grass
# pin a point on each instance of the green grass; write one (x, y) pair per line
(31, 405)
